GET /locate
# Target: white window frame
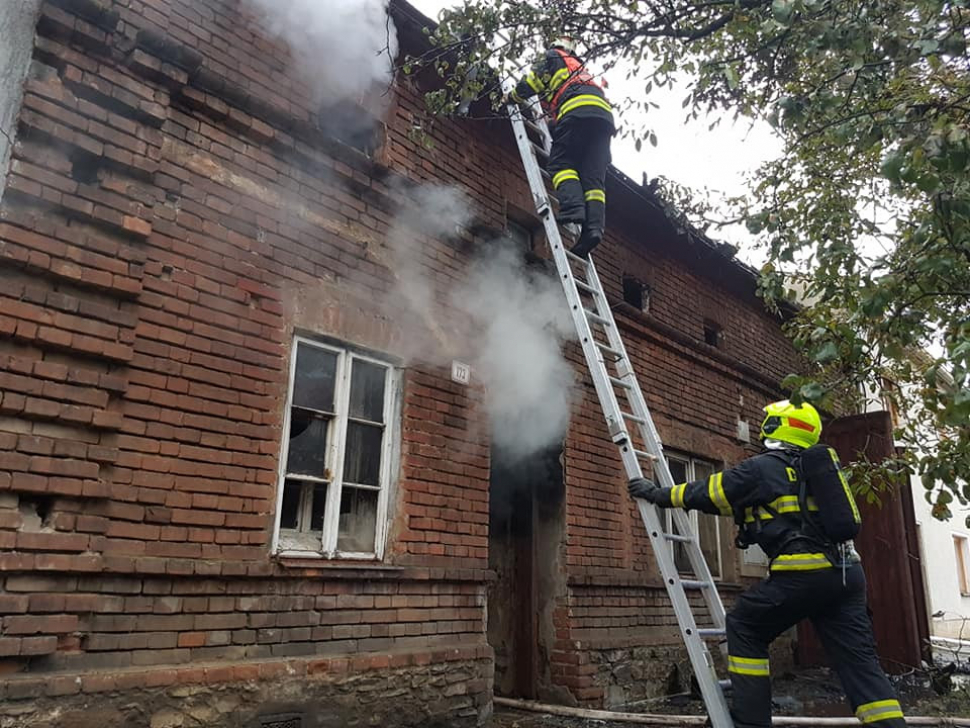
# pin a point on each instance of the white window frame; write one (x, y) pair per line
(336, 446)
(691, 474)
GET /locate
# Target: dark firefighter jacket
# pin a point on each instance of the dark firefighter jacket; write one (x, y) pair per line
(762, 494)
(565, 87)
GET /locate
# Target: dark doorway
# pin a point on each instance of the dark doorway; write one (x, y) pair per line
(525, 530)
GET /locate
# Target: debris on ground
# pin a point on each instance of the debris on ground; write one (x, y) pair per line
(813, 692)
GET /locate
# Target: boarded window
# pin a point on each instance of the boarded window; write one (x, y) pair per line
(336, 454)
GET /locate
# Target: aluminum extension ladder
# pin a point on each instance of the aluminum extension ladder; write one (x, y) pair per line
(604, 349)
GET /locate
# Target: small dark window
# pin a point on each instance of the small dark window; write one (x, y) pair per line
(352, 125)
(712, 333)
(636, 293)
(520, 235)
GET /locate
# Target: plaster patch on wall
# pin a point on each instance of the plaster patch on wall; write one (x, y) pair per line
(18, 18)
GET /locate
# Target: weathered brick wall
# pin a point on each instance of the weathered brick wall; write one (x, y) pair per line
(172, 216)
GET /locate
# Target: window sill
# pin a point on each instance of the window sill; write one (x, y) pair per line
(310, 566)
(296, 560)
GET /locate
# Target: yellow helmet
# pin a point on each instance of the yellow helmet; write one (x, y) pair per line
(797, 425)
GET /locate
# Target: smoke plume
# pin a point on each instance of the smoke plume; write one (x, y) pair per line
(345, 49)
(507, 320)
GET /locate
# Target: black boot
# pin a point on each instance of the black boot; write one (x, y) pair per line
(588, 240)
(595, 223)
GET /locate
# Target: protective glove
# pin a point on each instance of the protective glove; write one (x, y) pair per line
(648, 490)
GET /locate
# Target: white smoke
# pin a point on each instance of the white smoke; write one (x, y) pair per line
(507, 320)
(522, 321)
(345, 49)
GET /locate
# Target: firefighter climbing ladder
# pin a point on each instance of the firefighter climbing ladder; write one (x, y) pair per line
(603, 349)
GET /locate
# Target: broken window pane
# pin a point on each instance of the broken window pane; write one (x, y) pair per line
(678, 470)
(319, 507)
(314, 379)
(290, 509)
(307, 453)
(358, 520)
(362, 458)
(367, 391)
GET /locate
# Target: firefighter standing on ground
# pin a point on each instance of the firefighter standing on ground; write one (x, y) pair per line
(583, 127)
(811, 575)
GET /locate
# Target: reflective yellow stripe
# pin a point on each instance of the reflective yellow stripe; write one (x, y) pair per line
(800, 562)
(756, 666)
(566, 174)
(558, 78)
(784, 504)
(596, 196)
(534, 82)
(845, 486)
(879, 710)
(677, 495)
(715, 491)
(584, 100)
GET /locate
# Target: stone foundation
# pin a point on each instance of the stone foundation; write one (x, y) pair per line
(450, 689)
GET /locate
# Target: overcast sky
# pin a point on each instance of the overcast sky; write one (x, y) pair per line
(686, 152)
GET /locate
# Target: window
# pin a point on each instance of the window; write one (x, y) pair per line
(712, 333)
(707, 526)
(353, 125)
(636, 293)
(520, 235)
(335, 461)
(960, 547)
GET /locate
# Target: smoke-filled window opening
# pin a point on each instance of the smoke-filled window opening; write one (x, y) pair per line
(352, 125)
(336, 455)
(521, 234)
(684, 469)
(636, 293)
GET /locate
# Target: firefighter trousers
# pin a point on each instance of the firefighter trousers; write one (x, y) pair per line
(835, 602)
(578, 162)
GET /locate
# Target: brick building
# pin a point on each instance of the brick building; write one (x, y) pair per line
(194, 333)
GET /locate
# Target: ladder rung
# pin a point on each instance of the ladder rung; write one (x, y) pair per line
(607, 349)
(645, 455)
(597, 318)
(532, 126)
(677, 538)
(621, 383)
(633, 418)
(588, 288)
(694, 584)
(576, 259)
(540, 151)
(725, 684)
(712, 632)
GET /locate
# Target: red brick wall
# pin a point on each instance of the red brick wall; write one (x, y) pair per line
(172, 216)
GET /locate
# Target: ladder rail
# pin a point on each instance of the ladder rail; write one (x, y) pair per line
(617, 425)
